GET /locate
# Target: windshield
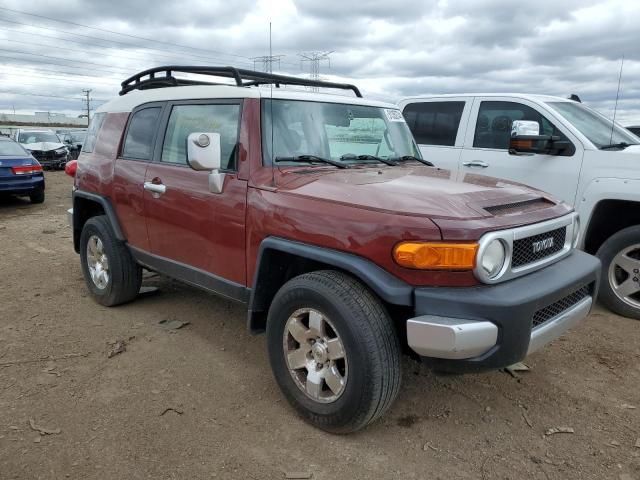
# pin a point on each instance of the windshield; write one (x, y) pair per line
(334, 131)
(78, 136)
(9, 147)
(594, 126)
(37, 137)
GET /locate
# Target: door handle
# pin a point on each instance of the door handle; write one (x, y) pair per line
(476, 163)
(157, 188)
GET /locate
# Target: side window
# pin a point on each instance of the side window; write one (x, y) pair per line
(186, 119)
(493, 127)
(141, 133)
(92, 132)
(434, 123)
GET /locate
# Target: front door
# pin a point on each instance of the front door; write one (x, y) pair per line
(486, 149)
(190, 228)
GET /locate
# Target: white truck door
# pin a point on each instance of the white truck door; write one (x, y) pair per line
(486, 147)
(439, 127)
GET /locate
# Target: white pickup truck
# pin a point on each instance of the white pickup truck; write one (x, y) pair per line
(556, 145)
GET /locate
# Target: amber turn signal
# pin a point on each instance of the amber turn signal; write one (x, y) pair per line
(436, 256)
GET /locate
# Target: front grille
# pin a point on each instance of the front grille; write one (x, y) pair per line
(531, 249)
(525, 206)
(547, 313)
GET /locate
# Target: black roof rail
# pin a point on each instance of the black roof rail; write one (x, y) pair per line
(242, 78)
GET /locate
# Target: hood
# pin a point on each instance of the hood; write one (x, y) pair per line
(42, 146)
(416, 190)
(632, 149)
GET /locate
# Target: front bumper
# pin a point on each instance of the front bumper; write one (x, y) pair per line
(493, 326)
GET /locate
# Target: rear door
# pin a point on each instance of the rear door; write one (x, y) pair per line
(439, 126)
(191, 229)
(486, 149)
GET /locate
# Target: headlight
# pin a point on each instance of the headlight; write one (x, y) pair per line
(61, 151)
(576, 232)
(493, 258)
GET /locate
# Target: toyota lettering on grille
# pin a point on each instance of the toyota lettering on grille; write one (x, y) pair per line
(542, 245)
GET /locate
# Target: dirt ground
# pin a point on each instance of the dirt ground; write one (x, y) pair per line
(200, 401)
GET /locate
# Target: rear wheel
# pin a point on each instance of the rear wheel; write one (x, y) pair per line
(333, 350)
(37, 196)
(110, 272)
(620, 256)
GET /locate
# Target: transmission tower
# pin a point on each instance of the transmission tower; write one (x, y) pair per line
(87, 100)
(267, 62)
(314, 59)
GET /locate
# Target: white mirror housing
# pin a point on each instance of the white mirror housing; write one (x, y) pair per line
(203, 151)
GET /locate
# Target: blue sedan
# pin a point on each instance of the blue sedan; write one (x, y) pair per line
(20, 173)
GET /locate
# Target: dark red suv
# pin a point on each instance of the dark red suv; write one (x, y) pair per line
(318, 212)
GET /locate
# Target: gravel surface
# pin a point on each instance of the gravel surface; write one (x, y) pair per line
(92, 392)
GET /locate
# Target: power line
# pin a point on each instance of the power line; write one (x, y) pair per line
(69, 76)
(121, 72)
(123, 34)
(9, 92)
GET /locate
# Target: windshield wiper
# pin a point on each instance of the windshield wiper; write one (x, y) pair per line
(621, 145)
(351, 156)
(311, 159)
(407, 158)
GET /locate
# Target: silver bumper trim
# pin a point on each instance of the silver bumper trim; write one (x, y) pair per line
(555, 327)
(450, 338)
(70, 217)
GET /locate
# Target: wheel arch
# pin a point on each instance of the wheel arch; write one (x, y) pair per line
(87, 205)
(279, 260)
(608, 218)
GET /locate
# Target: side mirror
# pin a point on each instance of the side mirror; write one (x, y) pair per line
(526, 138)
(203, 153)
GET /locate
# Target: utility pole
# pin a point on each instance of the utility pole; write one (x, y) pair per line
(267, 62)
(314, 59)
(87, 99)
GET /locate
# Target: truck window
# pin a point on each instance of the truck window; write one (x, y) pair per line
(92, 133)
(141, 133)
(434, 123)
(493, 126)
(186, 119)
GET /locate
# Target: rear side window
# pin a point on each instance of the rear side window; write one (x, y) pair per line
(187, 119)
(141, 133)
(92, 133)
(434, 123)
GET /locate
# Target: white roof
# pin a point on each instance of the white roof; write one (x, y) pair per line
(131, 100)
(527, 96)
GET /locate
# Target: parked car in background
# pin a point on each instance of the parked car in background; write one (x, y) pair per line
(635, 130)
(45, 146)
(571, 151)
(73, 140)
(319, 214)
(20, 173)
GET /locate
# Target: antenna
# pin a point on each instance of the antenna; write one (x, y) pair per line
(615, 108)
(273, 156)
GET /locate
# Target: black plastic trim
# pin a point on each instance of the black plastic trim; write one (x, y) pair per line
(105, 203)
(191, 275)
(510, 305)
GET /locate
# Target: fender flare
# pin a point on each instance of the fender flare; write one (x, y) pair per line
(106, 205)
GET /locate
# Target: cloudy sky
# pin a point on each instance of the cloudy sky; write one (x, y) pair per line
(50, 51)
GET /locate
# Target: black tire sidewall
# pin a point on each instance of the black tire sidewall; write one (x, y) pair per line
(606, 253)
(37, 196)
(347, 406)
(96, 226)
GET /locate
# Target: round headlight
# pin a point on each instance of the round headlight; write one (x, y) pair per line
(493, 258)
(576, 232)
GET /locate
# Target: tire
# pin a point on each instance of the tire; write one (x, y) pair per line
(124, 275)
(370, 368)
(626, 242)
(37, 196)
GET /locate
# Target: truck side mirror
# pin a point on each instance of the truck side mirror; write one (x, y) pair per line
(204, 154)
(526, 138)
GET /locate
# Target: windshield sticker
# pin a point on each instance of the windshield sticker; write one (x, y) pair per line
(393, 115)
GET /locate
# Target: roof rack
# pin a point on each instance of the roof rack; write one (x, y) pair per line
(243, 78)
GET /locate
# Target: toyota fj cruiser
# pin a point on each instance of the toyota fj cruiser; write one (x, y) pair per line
(319, 213)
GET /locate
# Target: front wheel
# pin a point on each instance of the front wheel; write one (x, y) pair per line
(334, 351)
(620, 257)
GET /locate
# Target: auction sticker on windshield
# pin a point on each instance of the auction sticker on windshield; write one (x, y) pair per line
(393, 115)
